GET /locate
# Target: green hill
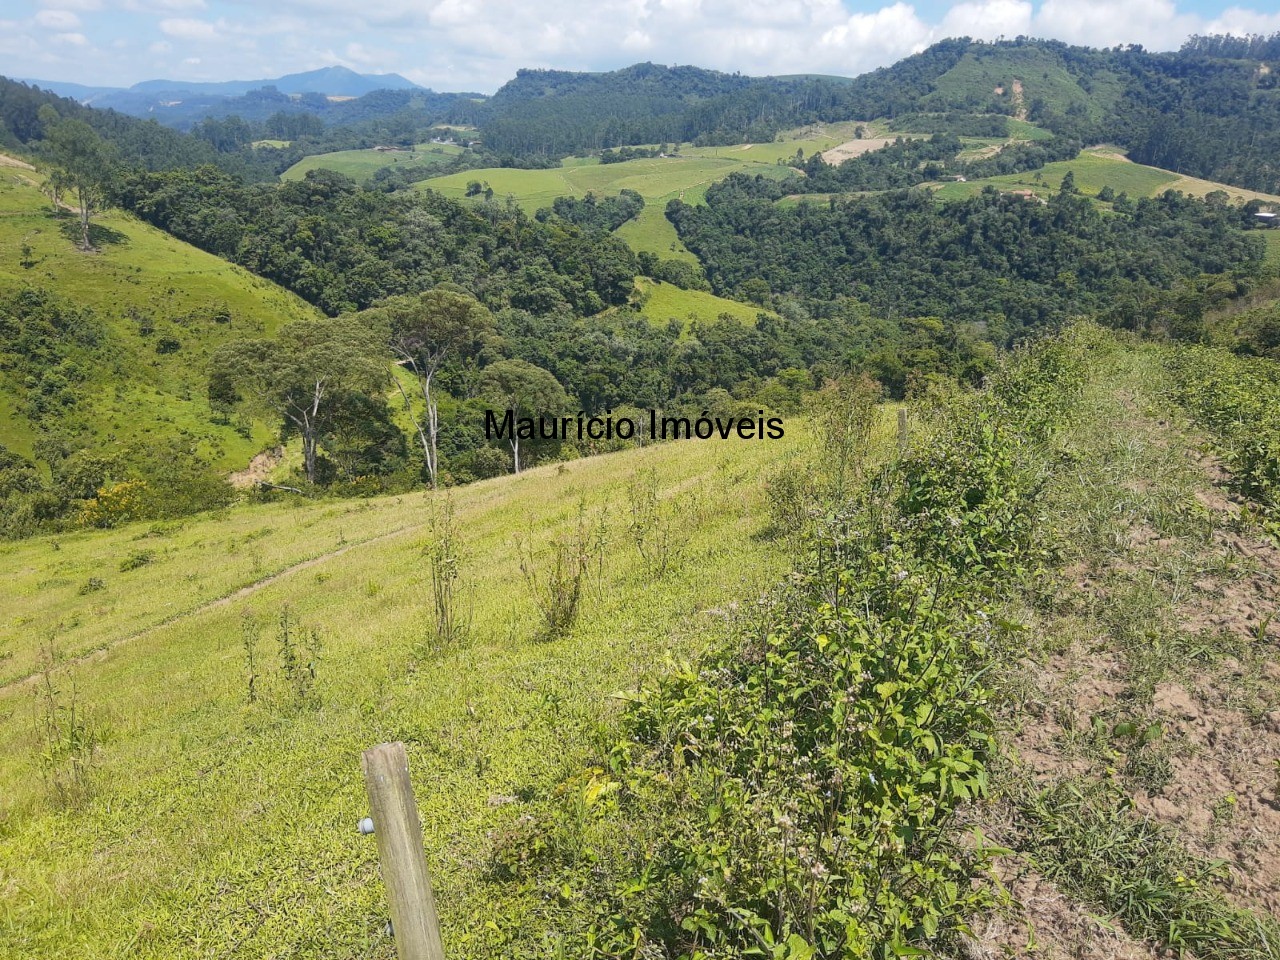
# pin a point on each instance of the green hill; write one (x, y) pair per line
(209, 807)
(1010, 78)
(658, 180)
(362, 164)
(662, 302)
(161, 306)
(1100, 167)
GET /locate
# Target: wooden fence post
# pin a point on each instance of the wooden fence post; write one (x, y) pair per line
(398, 831)
(902, 431)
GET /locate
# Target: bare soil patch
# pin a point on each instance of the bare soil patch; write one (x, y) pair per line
(1212, 771)
(1045, 922)
(1019, 101)
(854, 148)
(258, 470)
(8, 161)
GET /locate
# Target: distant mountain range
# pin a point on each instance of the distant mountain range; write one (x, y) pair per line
(143, 99)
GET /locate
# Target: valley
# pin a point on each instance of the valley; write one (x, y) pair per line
(976, 659)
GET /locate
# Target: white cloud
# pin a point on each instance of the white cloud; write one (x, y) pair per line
(360, 57)
(987, 20)
(1104, 23)
(637, 40)
(57, 20)
(189, 29)
(1239, 22)
(71, 39)
(479, 44)
(894, 30)
(162, 6)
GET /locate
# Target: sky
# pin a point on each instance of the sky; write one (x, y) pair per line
(477, 45)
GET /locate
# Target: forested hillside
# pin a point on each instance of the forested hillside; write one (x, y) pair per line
(557, 113)
(103, 360)
(1210, 110)
(1009, 263)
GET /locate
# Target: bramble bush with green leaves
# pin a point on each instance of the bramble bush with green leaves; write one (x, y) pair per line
(796, 793)
(1238, 400)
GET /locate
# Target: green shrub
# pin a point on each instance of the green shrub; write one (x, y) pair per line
(136, 559)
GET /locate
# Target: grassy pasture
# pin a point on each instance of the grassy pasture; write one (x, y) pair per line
(1094, 169)
(1025, 130)
(137, 270)
(664, 302)
(1272, 238)
(220, 827)
(362, 164)
(657, 180)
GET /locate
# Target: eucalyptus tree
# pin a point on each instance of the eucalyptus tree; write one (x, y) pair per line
(425, 332)
(83, 167)
(303, 377)
(526, 391)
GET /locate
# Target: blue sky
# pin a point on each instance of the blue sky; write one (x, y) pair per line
(478, 44)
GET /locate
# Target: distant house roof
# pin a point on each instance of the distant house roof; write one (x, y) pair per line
(1265, 214)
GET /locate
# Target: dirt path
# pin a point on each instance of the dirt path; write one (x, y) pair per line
(1163, 623)
(8, 161)
(101, 651)
(1108, 152)
(1019, 102)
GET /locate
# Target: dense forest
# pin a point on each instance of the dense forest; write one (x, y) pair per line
(557, 113)
(343, 247)
(1009, 262)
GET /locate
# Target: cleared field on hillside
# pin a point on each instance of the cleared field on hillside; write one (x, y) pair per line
(979, 72)
(854, 148)
(362, 164)
(1093, 170)
(665, 302)
(224, 827)
(1273, 247)
(138, 277)
(658, 180)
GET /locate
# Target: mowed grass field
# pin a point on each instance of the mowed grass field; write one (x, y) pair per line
(362, 164)
(220, 827)
(1094, 169)
(658, 180)
(137, 273)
